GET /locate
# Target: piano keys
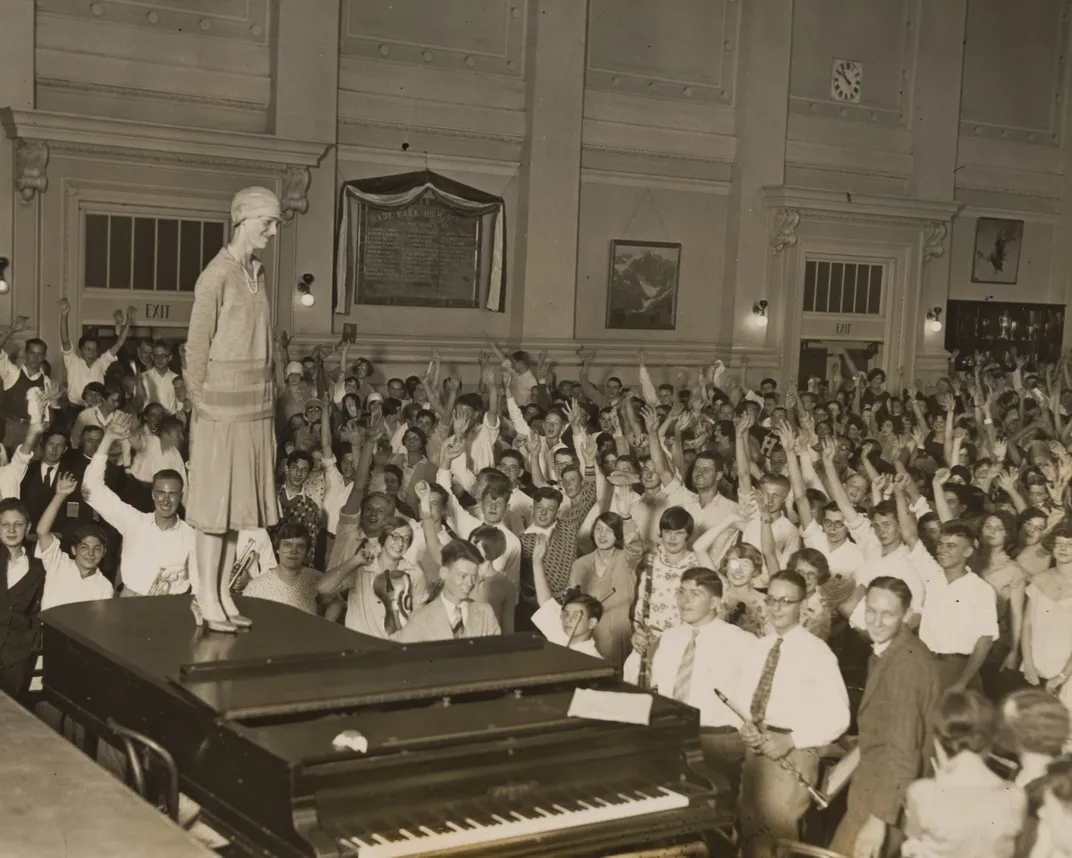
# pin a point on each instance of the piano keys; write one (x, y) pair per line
(470, 748)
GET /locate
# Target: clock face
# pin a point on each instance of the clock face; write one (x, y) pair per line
(846, 80)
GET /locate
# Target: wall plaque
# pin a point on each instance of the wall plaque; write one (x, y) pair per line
(421, 255)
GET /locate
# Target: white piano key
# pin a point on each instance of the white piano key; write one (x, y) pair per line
(541, 822)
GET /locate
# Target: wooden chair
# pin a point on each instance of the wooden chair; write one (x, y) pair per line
(793, 849)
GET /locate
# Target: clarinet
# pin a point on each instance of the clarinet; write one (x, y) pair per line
(644, 676)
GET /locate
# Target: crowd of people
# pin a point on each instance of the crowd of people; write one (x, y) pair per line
(842, 566)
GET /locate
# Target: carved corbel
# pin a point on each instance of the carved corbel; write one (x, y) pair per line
(31, 160)
(295, 192)
(934, 240)
(784, 232)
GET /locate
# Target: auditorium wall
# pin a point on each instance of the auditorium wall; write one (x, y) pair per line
(705, 122)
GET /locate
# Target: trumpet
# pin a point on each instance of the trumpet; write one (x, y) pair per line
(242, 566)
(818, 797)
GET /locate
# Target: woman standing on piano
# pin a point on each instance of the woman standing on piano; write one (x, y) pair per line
(229, 352)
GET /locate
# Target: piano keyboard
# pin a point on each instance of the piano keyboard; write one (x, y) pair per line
(489, 827)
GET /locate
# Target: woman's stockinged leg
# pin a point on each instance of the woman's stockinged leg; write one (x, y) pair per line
(211, 552)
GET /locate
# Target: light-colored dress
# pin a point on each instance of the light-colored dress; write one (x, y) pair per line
(1051, 636)
(964, 810)
(229, 377)
(613, 584)
(299, 593)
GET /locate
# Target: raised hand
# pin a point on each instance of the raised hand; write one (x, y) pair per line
(66, 485)
(533, 443)
(899, 483)
(132, 313)
(539, 548)
(649, 417)
(743, 422)
(65, 307)
(543, 368)
(941, 476)
(829, 450)
(1000, 447)
(642, 357)
(506, 374)
(786, 435)
(450, 451)
(120, 426)
(461, 424)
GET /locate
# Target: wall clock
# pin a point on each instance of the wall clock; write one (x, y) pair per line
(846, 80)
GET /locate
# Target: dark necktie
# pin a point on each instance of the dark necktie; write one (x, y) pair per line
(683, 682)
(48, 474)
(766, 683)
(457, 624)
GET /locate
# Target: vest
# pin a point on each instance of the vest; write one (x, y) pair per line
(13, 401)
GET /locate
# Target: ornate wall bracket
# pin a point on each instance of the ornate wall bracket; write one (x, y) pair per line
(934, 240)
(295, 192)
(31, 161)
(784, 231)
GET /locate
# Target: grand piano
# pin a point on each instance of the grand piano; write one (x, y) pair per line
(470, 750)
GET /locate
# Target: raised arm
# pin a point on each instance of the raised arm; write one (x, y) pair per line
(65, 486)
(124, 331)
(744, 462)
(65, 333)
(837, 488)
(428, 526)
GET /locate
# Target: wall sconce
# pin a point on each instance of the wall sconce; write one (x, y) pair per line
(5, 287)
(935, 323)
(760, 310)
(305, 289)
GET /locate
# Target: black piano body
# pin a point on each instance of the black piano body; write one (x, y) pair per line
(467, 739)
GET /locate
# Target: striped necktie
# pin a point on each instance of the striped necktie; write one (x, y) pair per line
(766, 683)
(683, 682)
(457, 623)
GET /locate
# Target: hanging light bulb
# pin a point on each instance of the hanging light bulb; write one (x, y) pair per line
(305, 288)
(933, 319)
(760, 311)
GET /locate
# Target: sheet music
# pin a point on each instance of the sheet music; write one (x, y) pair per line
(838, 776)
(623, 707)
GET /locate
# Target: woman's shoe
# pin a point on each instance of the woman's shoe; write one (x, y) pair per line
(233, 615)
(222, 626)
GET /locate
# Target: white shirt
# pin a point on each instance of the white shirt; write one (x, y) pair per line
(160, 387)
(258, 545)
(481, 451)
(720, 654)
(64, 583)
(79, 375)
(900, 563)
(463, 523)
(11, 476)
(150, 555)
(846, 561)
(548, 619)
(451, 608)
(706, 516)
(519, 511)
(418, 554)
(10, 371)
(786, 541)
(336, 493)
(808, 696)
(957, 614)
(17, 569)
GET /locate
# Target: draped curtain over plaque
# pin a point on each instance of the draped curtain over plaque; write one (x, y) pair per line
(419, 239)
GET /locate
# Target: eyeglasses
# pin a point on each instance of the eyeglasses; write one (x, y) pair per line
(829, 523)
(399, 537)
(781, 603)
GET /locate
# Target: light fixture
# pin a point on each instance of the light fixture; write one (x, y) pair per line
(305, 289)
(933, 318)
(5, 287)
(760, 310)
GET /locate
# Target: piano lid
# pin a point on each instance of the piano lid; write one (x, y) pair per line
(241, 689)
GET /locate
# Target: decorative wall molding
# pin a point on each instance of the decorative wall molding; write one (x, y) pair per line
(159, 143)
(846, 170)
(464, 133)
(243, 20)
(829, 205)
(617, 74)
(784, 229)
(662, 154)
(419, 161)
(31, 161)
(622, 178)
(423, 45)
(295, 199)
(94, 87)
(934, 236)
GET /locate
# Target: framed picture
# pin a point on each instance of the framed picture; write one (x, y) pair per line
(642, 286)
(997, 250)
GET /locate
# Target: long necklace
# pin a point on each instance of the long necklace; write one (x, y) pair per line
(251, 281)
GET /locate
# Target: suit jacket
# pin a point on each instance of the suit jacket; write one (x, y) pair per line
(36, 494)
(20, 629)
(431, 623)
(902, 689)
